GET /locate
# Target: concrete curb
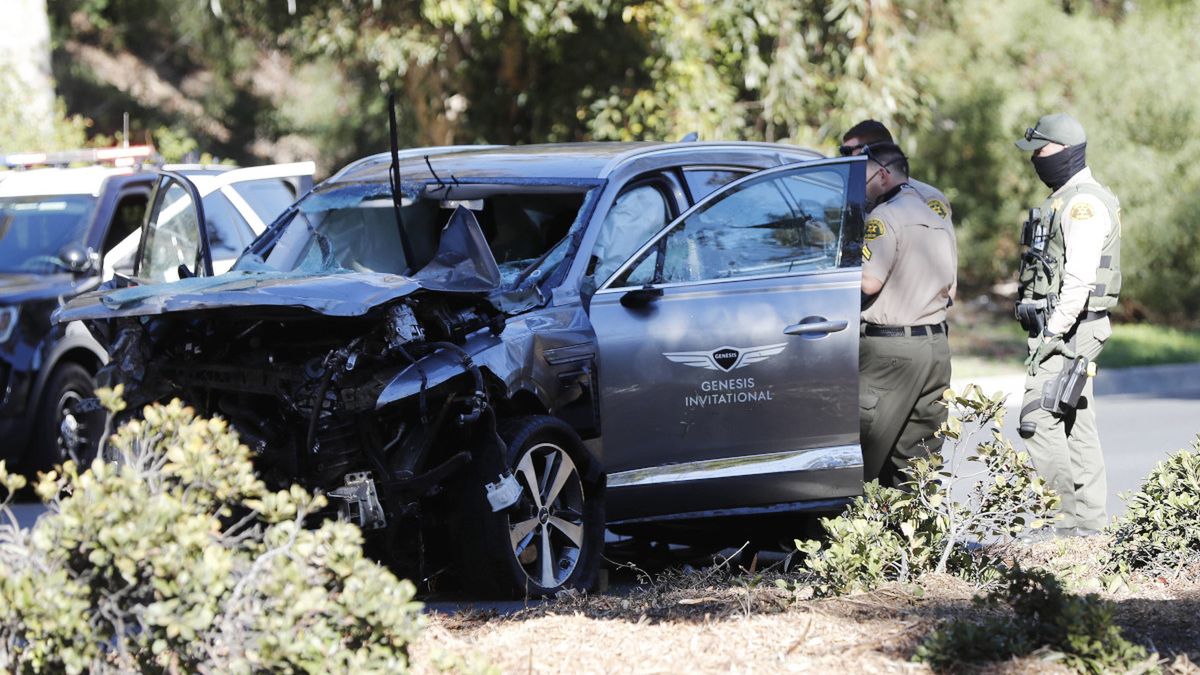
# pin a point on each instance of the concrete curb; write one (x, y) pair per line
(1166, 381)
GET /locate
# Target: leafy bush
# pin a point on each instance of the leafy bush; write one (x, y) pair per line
(896, 535)
(176, 558)
(1160, 529)
(1077, 630)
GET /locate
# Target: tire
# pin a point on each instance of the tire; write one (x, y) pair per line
(505, 553)
(60, 432)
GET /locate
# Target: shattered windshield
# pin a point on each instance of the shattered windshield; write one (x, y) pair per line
(33, 230)
(353, 228)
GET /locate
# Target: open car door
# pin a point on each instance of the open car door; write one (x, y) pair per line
(238, 206)
(174, 238)
(728, 350)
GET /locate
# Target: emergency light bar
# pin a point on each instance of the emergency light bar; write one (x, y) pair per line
(120, 156)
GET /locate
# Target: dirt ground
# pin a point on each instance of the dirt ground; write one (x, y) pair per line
(718, 620)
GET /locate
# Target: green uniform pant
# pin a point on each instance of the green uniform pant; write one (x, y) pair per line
(1065, 448)
(901, 382)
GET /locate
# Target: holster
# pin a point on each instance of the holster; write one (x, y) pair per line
(1063, 392)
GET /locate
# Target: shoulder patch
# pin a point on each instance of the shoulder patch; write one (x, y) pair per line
(1082, 211)
(866, 252)
(937, 207)
(874, 229)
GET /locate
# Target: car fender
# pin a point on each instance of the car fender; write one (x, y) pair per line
(526, 387)
(503, 361)
(75, 338)
(442, 365)
(426, 373)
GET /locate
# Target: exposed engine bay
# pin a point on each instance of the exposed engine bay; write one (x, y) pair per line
(303, 392)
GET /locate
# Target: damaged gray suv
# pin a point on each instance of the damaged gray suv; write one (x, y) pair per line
(521, 346)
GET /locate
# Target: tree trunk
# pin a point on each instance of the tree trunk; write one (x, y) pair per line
(25, 78)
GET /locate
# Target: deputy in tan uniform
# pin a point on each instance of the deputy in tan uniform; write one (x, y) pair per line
(1070, 278)
(910, 262)
(868, 132)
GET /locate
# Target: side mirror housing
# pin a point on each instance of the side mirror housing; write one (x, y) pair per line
(640, 297)
(77, 259)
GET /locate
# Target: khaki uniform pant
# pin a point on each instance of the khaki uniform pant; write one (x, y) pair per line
(901, 382)
(1065, 449)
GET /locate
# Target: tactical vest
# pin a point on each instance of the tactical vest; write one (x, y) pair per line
(1042, 275)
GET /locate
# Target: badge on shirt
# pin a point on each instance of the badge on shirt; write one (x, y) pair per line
(873, 229)
(937, 207)
(1081, 211)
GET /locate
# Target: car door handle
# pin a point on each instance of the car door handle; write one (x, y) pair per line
(815, 325)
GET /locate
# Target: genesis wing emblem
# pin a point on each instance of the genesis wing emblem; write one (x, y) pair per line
(735, 357)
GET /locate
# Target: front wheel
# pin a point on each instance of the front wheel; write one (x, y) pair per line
(62, 432)
(552, 537)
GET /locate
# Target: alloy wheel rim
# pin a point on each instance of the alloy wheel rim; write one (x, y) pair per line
(71, 429)
(546, 528)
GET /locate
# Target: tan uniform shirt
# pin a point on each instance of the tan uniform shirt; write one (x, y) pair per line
(1086, 224)
(934, 198)
(912, 250)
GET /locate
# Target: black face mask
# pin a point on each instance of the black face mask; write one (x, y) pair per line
(1058, 168)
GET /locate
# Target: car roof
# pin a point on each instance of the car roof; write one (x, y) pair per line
(567, 161)
(88, 180)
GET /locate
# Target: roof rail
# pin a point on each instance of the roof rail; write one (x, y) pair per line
(118, 156)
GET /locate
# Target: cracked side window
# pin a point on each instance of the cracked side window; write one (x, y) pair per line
(173, 239)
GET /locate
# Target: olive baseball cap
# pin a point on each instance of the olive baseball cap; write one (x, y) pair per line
(1058, 128)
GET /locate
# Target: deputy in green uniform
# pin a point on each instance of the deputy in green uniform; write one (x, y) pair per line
(868, 132)
(910, 260)
(1070, 278)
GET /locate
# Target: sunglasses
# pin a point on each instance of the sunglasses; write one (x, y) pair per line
(1032, 133)
(847, 150)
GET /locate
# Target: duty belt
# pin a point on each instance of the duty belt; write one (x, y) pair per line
(873, 330)
(1093, 316)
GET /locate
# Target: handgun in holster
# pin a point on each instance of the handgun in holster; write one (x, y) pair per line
(1062, 393)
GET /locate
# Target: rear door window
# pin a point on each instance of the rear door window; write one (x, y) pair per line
(268, 197)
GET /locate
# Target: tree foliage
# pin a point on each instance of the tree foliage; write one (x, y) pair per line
(996, 67)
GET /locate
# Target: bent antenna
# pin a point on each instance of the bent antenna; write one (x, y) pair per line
(394, 179)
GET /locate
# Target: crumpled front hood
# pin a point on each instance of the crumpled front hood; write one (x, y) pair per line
(346, 294)
(17, 288)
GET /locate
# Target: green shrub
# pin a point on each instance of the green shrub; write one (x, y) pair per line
(896, 535)
(1160, 529)
(1078, 631)
(176, 558)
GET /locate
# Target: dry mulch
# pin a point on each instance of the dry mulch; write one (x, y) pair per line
(718, 620)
